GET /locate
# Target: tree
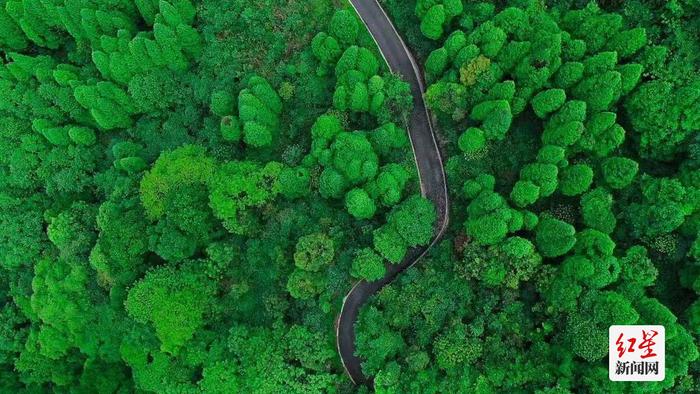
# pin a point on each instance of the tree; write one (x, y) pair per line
(619, 172)
(174, 195)
(575, 179)
(305, 285)
(542, 175)
(344, 27)
(222, 103)
(554, 237)
(72, 231)
(173, 301)
(413, 220)
(326, 48)
(548, 101)
(259, 109)
(238, 187)
(596, 208)
(472, 141)
(359, 204)
(524, 193)
(664, 115)
(294, 182)
(313, 252)
(368, 265)
(663, 209)
(185, 166)
(431, 24)
(389, 185)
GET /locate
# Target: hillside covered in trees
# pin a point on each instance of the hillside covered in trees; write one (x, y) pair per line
(188, 189)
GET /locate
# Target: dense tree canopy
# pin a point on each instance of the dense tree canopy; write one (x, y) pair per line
(570, 132)
(188, 189)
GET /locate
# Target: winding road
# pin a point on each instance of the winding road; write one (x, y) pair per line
(430, 172)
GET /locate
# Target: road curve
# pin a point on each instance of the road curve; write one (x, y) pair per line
(430, 172)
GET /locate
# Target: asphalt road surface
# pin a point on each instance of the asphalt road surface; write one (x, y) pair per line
(430, 171)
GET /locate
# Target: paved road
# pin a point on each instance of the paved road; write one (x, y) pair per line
(430, 171)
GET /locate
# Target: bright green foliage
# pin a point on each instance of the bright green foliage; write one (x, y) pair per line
(432, 22)
(345, 27)
(524, 193)
(359, 204)
(368, 265)
(231, 128)
(548, 101)
(267, 359)
(596, 209)
(259, 108)
(437, 62)
(143, 247)
(490, 217)
(350, 161)
(403, 230)
(173, 301)
(359, 88)
(554, 237)
(294, 182)
(472, 141)
(313, 252)
(389, 244)
(435, 14)
(584, 329)
(304, 284)
(619, 172)
(332, 184)
(171, 174)
(575, 179)
(388, 137)
(602, 135)
(665, 204)
(390, 184)
(326, 48)
(563, 82)
(354, 157)
(495, 116)
(665, 117)
(237, 188)
(543, 176)
(637, 267)
(222, 103)
(108, 104)
(142, 244)
(506, 264)
(357, 59)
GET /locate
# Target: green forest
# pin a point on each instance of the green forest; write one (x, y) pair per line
(189, 189)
